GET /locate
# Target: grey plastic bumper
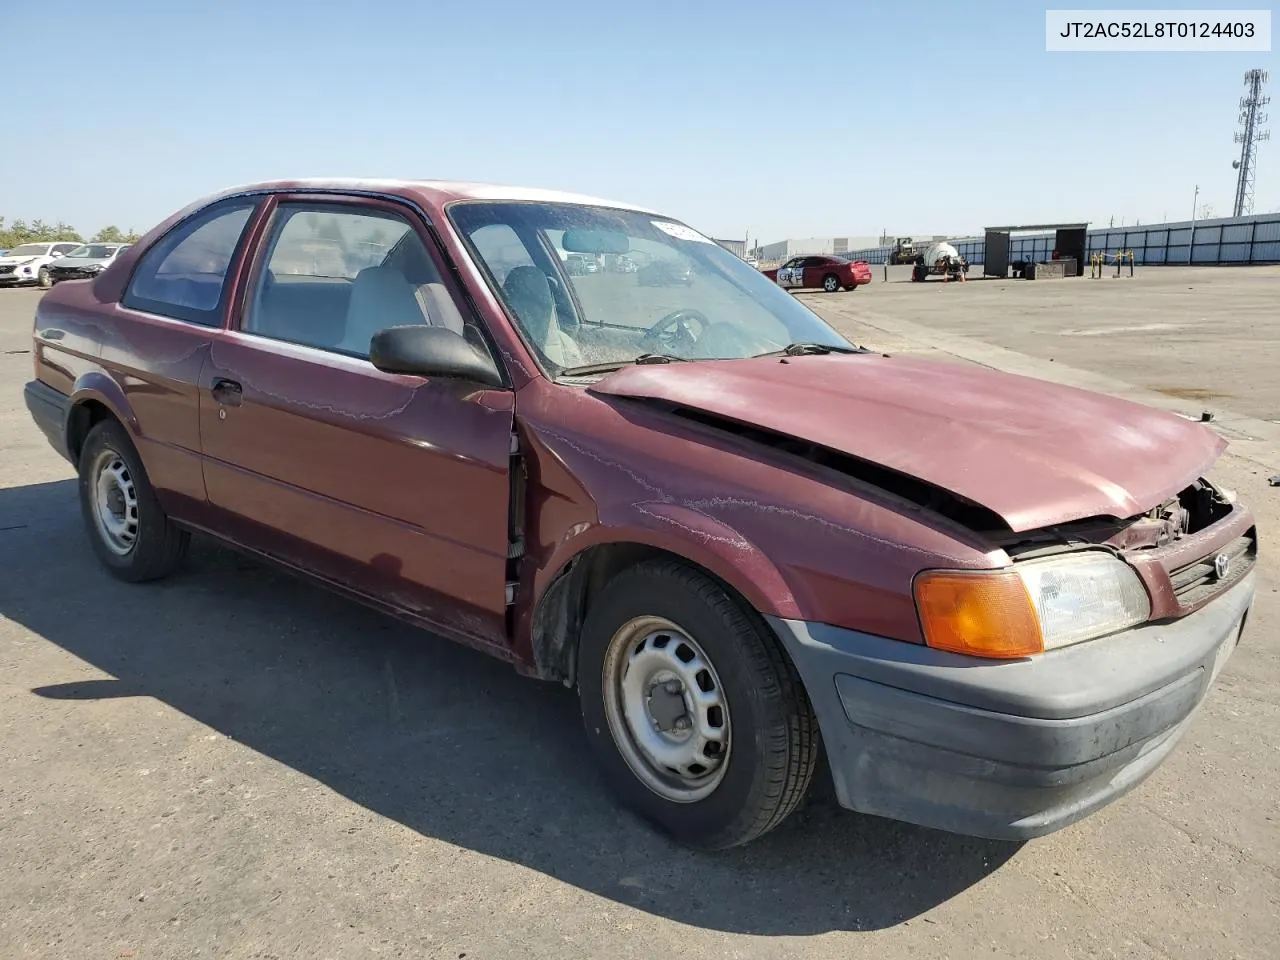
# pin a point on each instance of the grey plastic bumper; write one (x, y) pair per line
(1007, 749)
(48, 408)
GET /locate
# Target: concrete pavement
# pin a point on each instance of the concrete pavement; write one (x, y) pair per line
(231, 763)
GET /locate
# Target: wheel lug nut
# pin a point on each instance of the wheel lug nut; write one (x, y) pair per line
(673, 686)
(682, 723)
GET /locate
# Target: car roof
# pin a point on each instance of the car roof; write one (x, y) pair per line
(438, 192)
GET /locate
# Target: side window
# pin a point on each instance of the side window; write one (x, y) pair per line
(62, 249)
(184, 274)
(333, 276)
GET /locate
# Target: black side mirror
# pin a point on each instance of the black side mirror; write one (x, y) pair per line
(426, 351)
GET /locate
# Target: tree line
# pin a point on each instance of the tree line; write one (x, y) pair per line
(40, 232)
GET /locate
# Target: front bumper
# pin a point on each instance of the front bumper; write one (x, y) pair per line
(17, 277)
(57, 276)
(1007, 749)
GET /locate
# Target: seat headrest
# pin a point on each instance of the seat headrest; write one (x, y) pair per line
(529, 295)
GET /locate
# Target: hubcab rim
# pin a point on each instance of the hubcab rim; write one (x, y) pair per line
(115, 502)
(666, 709)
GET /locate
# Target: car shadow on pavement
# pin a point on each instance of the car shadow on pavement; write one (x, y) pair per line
(448, 742)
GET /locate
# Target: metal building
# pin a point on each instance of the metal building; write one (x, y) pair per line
(737, 247)
(783, 249)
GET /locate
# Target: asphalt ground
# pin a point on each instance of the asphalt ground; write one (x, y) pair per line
(231, 763)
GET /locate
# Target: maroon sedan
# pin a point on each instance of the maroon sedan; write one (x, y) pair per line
(821, 273)
(992, 604)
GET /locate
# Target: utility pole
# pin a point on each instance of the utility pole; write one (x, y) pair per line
(1194, 201)
(1249, 136)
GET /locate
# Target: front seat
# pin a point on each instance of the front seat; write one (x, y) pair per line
(529, 296)
(380, 297)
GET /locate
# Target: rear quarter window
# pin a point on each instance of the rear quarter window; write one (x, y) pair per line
(184, 276)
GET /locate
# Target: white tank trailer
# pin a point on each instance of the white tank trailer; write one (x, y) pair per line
(940, 260)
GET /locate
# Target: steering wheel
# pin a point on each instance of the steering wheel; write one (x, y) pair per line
(673, 333)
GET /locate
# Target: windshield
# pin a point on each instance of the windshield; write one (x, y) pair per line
(592, 285)
(94, 251)
(29, 250)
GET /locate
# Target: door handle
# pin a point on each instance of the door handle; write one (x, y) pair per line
(227, 392)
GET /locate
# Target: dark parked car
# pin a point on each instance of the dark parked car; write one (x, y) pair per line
(821, 273)
(85, 261)
(995, 602)
(663, 272)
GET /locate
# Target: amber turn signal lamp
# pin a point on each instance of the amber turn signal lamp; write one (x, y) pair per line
(978, 614)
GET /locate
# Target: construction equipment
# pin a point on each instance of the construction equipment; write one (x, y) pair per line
(940, 260)
(904, 251)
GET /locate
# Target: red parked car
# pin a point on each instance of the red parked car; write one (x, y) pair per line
(995, 602)
(822, 273)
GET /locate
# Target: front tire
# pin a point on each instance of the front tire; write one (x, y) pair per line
(43, 278)
(698, 719)
(831, 283)
(131, 534)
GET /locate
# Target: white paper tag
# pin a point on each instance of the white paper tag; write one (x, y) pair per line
(679, 231)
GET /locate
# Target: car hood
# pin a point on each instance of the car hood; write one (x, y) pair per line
(1033, 452)
(15, 261)
(78, 263)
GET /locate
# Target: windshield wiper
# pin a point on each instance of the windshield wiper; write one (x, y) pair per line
(589, 368)
(811, 349)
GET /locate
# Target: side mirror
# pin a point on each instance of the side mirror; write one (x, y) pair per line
(427, 351)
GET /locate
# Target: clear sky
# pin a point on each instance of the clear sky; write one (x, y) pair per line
(781, 119)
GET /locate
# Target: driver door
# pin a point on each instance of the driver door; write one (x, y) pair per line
(811, 271)
(394, 486)
(786, 273)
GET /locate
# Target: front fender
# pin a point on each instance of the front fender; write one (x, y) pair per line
(675, 529)
(686, 533)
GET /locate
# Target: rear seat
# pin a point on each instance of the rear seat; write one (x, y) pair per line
(346, 315)
(304, 310)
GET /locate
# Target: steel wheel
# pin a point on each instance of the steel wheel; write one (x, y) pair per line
(831, 283)
(115, 502)
(666, 709)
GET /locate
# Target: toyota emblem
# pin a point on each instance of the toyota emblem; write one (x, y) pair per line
(1221, 565)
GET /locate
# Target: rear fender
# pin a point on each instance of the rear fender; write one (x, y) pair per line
(97, 386)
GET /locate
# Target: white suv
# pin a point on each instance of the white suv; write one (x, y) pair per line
(28, 263)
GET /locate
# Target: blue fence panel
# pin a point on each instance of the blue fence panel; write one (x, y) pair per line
(1245, 240)
(1266, 232)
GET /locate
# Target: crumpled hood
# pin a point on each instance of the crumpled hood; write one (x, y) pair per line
(1033, 452)
(78, 263)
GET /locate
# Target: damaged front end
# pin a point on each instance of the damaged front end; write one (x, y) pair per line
(1187, 550)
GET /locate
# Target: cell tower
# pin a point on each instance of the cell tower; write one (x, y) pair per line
(1249, 136)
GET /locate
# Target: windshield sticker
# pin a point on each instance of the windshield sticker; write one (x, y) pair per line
(679, 231)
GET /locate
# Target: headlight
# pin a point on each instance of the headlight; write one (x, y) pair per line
(95, 267)
(1031, 607)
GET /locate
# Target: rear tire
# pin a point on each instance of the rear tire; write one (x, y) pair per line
(130, 532)
(670, 665)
